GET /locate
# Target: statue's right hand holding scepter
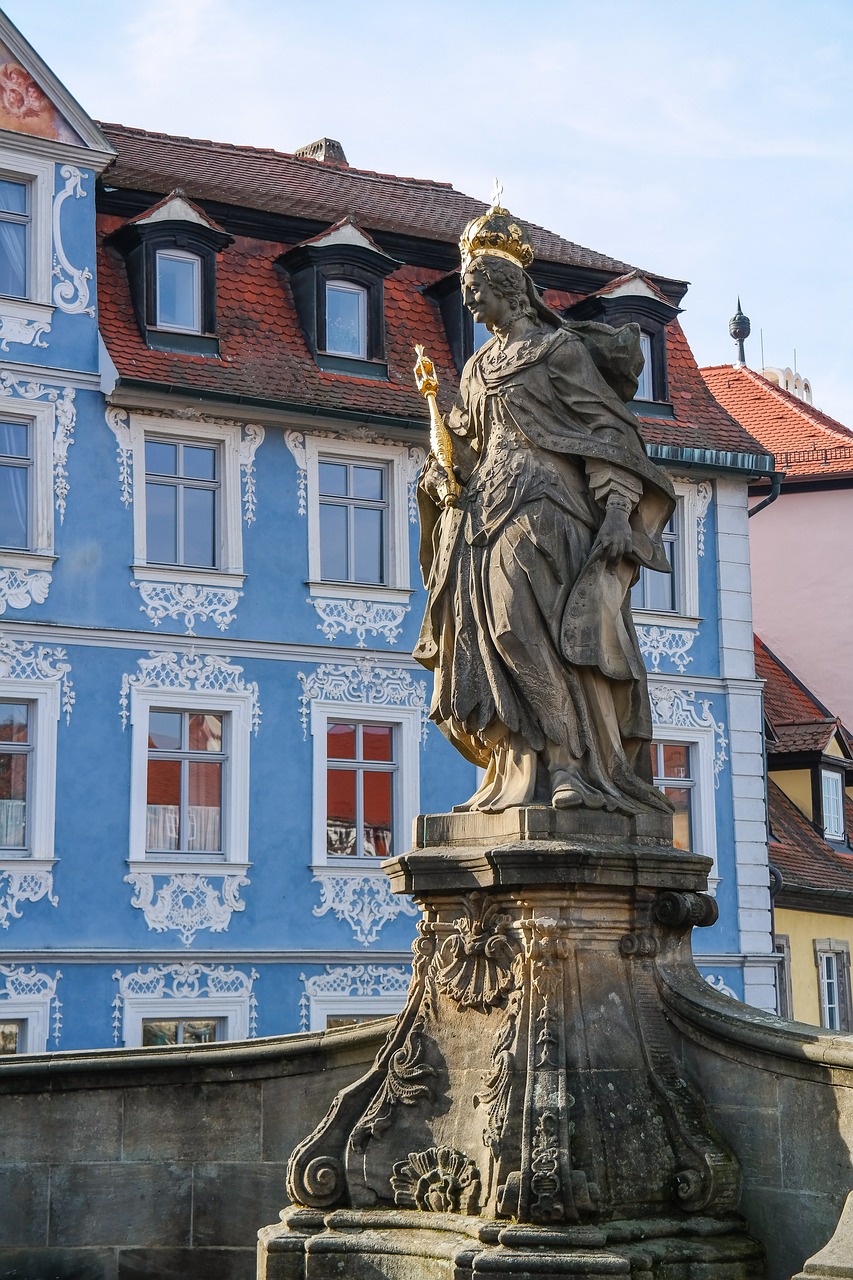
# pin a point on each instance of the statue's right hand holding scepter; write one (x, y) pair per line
(440, 438)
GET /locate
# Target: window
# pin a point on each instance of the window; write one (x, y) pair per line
(353, 521)
(346, 319)
(16, 745)
(645, 386)
(830, 1010)
(658, 592)
(15, 220)
(186, 763)
(671, 766)
(832, 958)
(15, 480)
(161, 1031)
(832, 792)
(12, 1036)
(178, 291)
(181, 503)
(361, 773)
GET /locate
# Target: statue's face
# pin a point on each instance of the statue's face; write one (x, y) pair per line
(486, 306)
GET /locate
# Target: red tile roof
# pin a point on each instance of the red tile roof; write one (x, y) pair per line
(786, 701)
(806, 861)
(807, 443)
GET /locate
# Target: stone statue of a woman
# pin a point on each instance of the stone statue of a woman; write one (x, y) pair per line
(529, 557)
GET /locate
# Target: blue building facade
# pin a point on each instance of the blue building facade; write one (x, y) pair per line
(211, 727)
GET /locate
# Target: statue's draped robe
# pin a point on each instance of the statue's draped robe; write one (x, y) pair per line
(536, 661)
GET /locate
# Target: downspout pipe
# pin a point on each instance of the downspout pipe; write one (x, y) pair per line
(776, 478)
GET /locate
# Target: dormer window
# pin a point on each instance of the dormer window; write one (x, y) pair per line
(832, 794)
(178, 287)
(645, 385)
(170, 252)
(346, 319)
(338, 287)
(14, 237)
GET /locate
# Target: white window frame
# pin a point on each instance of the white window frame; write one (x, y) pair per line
(45, 699)
(41, 420)
(406, 800)
(704, 826)
(232, 1012)
(395, 458)
(235, 784)
(348, 286)
(832, 776)
(839, 950)
(33, 1013)
(321, 1007)
(686, 612)
(183, 255)
(227, 437)
(39, 176)
(647, 373)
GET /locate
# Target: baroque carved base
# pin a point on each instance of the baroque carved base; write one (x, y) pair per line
(526, 1105)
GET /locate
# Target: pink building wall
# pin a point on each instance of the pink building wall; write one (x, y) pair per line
(801, 548)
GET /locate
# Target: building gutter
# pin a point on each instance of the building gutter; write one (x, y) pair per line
(756, 464)
(776, 478)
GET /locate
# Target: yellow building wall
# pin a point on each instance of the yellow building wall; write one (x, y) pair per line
(833, 749)
(801, 928)
(797, 785)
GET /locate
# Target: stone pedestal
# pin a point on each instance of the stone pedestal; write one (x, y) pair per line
(525, 1115)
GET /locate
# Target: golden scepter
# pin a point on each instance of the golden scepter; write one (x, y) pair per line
(440, 439)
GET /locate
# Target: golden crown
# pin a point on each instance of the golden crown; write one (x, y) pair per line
(497, 233)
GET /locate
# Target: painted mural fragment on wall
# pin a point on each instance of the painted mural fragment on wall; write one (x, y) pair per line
(24, 107)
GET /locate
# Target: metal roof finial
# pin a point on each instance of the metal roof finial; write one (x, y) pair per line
(739, 328)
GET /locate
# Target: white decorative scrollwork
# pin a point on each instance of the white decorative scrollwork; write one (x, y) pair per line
(352, 982)
(19, 588)
(295, 441)
(118, 422)
(71, 293)
(28, 985)
(187, 902)
(193, 602)
(185, 981)
(359, 616)
(252, 436)
(192, 672)
(365, 902)
(718, 983)
(677, 707)
(666, 642)
(704, 493)
(26, 333)
(362, 682)
(24, 660)
(62, 398)
(23, 883)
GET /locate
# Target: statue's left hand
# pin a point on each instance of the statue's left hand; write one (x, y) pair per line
(614, 539)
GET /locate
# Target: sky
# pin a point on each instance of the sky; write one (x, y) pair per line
(706, 140)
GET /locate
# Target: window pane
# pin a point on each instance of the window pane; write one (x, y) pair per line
(199, 1032)
(157, 1033)
(164, 730)
(178, 292)
(14, 439)
(658, 589)
(13, 259)
(333, 542)
(377, 741)
(205, 732)
(199, 464)
(368, 550)
(164, 805)
(13, 800)
(9, 1033)
(377, 814)
(644, 386)
(199, 527)
(340, 741)
(13, 196)
(341, 813)
(344, 321)
(368, 482)
(161, 523)
(14, 506)
(676, 760)
(160, 458)
(205, 805)
(333, 479)
(14, 717)
(679, 797)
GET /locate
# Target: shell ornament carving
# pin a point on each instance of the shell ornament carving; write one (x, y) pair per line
(439, 1180)
(475, 965)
